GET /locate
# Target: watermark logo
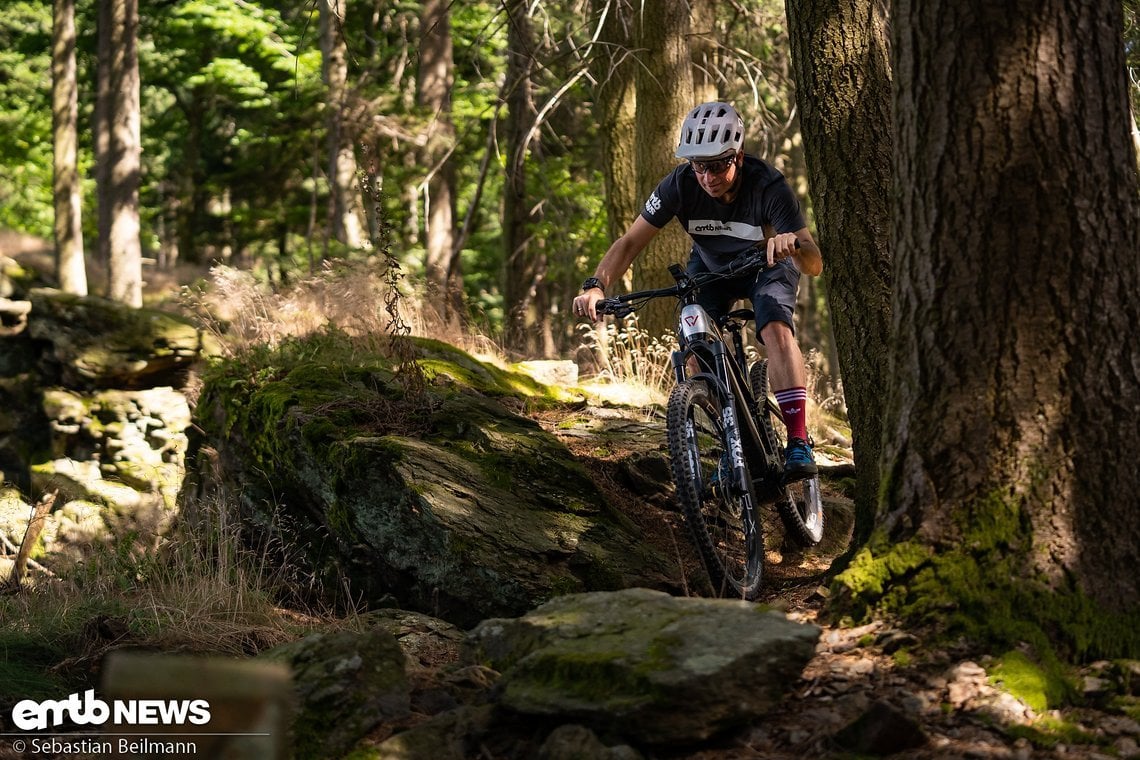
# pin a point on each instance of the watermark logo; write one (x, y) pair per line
(89, 710)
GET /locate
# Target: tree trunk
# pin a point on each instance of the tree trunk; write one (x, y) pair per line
(703, 50)
(120, 192)
(101, 128)
(613, 68)
(436, 76)
(664, 96)
(344, 190)
(841, 53)
(1011, 487)
(69, 258)
(525, 262)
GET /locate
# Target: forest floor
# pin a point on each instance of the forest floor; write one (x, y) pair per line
(871, 690)
(874, 689)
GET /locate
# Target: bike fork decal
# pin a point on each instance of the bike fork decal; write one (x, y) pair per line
(736, 450)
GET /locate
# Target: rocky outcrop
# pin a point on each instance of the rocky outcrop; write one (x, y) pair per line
(344, 683)
(98, 343)
(450, 503)
(610, 675)
(91, 410)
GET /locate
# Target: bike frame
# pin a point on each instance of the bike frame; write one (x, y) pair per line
(722, 369)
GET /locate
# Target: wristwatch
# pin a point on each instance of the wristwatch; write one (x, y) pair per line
(593, 282)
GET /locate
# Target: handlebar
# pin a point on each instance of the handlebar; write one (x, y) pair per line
(622, 306)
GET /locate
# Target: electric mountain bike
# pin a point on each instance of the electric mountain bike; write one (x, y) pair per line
(725, 453)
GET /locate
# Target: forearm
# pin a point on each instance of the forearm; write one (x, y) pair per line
(615, 262)
(808, 258)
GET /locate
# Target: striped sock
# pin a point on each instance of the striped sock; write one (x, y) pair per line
(793, 405)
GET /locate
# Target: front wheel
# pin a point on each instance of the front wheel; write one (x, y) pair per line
(721, 515)
(800, 504)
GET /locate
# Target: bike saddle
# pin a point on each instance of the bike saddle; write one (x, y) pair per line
(742, 314)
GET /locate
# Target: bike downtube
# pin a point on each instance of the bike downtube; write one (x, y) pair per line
(748, 428)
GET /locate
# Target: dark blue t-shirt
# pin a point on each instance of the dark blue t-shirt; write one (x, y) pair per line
(722, 231)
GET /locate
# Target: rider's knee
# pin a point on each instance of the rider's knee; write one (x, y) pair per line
(777, 336)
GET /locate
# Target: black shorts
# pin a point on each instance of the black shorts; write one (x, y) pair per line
(772, 292)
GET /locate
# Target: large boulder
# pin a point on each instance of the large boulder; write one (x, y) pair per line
(85, 413)
(444, 499)
(643, 665)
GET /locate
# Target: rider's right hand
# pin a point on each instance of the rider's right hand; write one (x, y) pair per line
(585, 305)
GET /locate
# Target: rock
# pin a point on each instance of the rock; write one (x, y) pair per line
(882, 730)
(562, 373)
(644, 665)
(453, 735)
(574, 742)
(476, 513)
(344, 683)
(100, 343)
(424, 639)
(13, 316)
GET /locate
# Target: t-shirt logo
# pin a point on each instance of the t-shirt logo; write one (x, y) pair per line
(653, 205)
(711, 226)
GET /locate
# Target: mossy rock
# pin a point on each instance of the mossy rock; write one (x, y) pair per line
(445, 499)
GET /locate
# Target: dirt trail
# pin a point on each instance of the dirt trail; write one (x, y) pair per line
(872, 690)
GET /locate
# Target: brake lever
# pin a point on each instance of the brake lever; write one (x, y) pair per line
(613, 306)
(756, 254)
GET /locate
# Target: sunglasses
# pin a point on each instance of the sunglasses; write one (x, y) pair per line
(716, 166)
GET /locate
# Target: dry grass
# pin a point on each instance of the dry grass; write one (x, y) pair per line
(201, 590)
(367, 300)
(622, 354)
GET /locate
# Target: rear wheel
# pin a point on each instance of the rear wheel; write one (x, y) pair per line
(799, 504)
(721, 518)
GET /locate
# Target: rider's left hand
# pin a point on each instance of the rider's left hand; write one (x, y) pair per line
(781, 246)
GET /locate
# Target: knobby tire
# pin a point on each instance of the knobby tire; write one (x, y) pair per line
(724, 526)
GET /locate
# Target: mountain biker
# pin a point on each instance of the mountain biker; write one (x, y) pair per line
(730, 202)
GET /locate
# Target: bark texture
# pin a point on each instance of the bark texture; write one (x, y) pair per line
(436, 77)
(841, 52)
(120, 112)
(613, 68)
(664, 96)
(65, 132)
(525, 257)
(345, 209)
(1016, 366)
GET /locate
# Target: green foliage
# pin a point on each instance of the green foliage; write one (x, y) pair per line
(25, 119)
(1047, 732)
(1029, 682)
(234, 131)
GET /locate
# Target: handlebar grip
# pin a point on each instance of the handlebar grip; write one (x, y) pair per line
(614, 306)
(606, 306)
(756, 255)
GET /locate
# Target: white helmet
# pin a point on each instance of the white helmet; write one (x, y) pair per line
(710, 130)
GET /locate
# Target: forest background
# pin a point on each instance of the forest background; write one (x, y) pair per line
(493, 146)
(276, 136)
(494, 150)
